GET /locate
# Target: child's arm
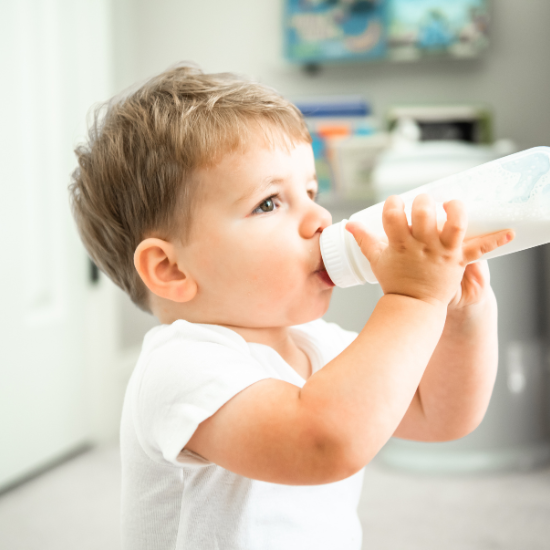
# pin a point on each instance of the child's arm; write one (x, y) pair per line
(344, 414)
(333, 426)
(456, 387)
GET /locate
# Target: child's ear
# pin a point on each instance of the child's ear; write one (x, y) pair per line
(157, 264)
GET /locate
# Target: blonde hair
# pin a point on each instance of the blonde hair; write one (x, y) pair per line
(133, 175)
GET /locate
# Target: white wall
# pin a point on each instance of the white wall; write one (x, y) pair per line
(55, 64)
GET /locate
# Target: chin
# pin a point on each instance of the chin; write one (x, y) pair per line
(313, 313)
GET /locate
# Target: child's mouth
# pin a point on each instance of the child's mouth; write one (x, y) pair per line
(323, 275)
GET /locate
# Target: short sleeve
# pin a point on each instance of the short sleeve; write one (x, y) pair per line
(182, 384)
(330, 339)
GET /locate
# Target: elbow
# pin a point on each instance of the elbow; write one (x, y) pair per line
(456, 430)
(328, 451)
(344, 465)
(349, 456)
(469, 423)
(334, 450)
(336, 459)
(466, 428)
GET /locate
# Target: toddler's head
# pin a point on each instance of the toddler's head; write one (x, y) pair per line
(162, 198)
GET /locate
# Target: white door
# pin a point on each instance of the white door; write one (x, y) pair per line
(50, 76)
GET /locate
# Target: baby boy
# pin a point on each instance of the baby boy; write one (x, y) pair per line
(248, 419)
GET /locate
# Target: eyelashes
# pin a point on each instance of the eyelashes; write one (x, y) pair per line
(268, 200)
(272, 199)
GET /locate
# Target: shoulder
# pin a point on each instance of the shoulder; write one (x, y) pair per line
(194, 351)
(184, 334)
(185, 373)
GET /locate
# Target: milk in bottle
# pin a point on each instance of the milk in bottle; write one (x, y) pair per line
(509, 193)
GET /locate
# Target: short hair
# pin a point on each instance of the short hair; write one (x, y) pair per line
(133, 175)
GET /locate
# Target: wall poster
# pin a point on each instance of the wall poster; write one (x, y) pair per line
(318, 31)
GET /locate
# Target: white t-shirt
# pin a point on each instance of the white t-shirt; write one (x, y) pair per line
(174, 500)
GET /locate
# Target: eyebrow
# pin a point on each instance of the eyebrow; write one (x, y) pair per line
(263, 186)
(266, 183)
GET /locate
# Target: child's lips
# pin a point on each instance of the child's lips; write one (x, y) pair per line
(323, 275)
(321, 272)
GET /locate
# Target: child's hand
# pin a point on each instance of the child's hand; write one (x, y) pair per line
(473, 287)
(419, 260)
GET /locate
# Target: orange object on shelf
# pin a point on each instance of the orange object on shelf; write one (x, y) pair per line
(340, 130)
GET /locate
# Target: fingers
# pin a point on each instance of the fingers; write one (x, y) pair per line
(395, 221)
(423, 219)
(454, 229)
(478, 246)
(483, 267)
(478, 272)
(369, 244)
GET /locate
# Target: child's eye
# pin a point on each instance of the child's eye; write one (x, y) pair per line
(268, 205)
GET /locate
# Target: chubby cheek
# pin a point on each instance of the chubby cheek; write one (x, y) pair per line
(264, 281)
(268, 273)
(271, 275)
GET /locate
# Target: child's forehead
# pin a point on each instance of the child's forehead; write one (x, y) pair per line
(255, 168)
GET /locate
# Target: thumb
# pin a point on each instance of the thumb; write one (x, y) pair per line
(368, 243)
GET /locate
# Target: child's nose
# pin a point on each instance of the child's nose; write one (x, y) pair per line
(315, 220)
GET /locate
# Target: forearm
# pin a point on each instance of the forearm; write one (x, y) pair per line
(455, 390)
(361, 396)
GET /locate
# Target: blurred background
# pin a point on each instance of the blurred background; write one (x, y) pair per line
(396, 93)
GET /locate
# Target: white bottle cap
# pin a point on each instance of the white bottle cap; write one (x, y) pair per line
(335, 257)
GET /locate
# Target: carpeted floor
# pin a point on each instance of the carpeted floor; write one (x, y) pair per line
(75, 506)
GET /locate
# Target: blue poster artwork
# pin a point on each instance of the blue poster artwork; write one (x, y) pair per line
(332, 30)
(325, 30)
(421, 28)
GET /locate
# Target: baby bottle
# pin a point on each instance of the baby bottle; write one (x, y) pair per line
(512, 192)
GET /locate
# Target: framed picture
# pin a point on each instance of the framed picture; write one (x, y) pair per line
(333, 30)
(423, 28)
(319, 31)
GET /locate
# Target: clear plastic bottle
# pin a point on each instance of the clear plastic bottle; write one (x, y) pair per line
(512, 192)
